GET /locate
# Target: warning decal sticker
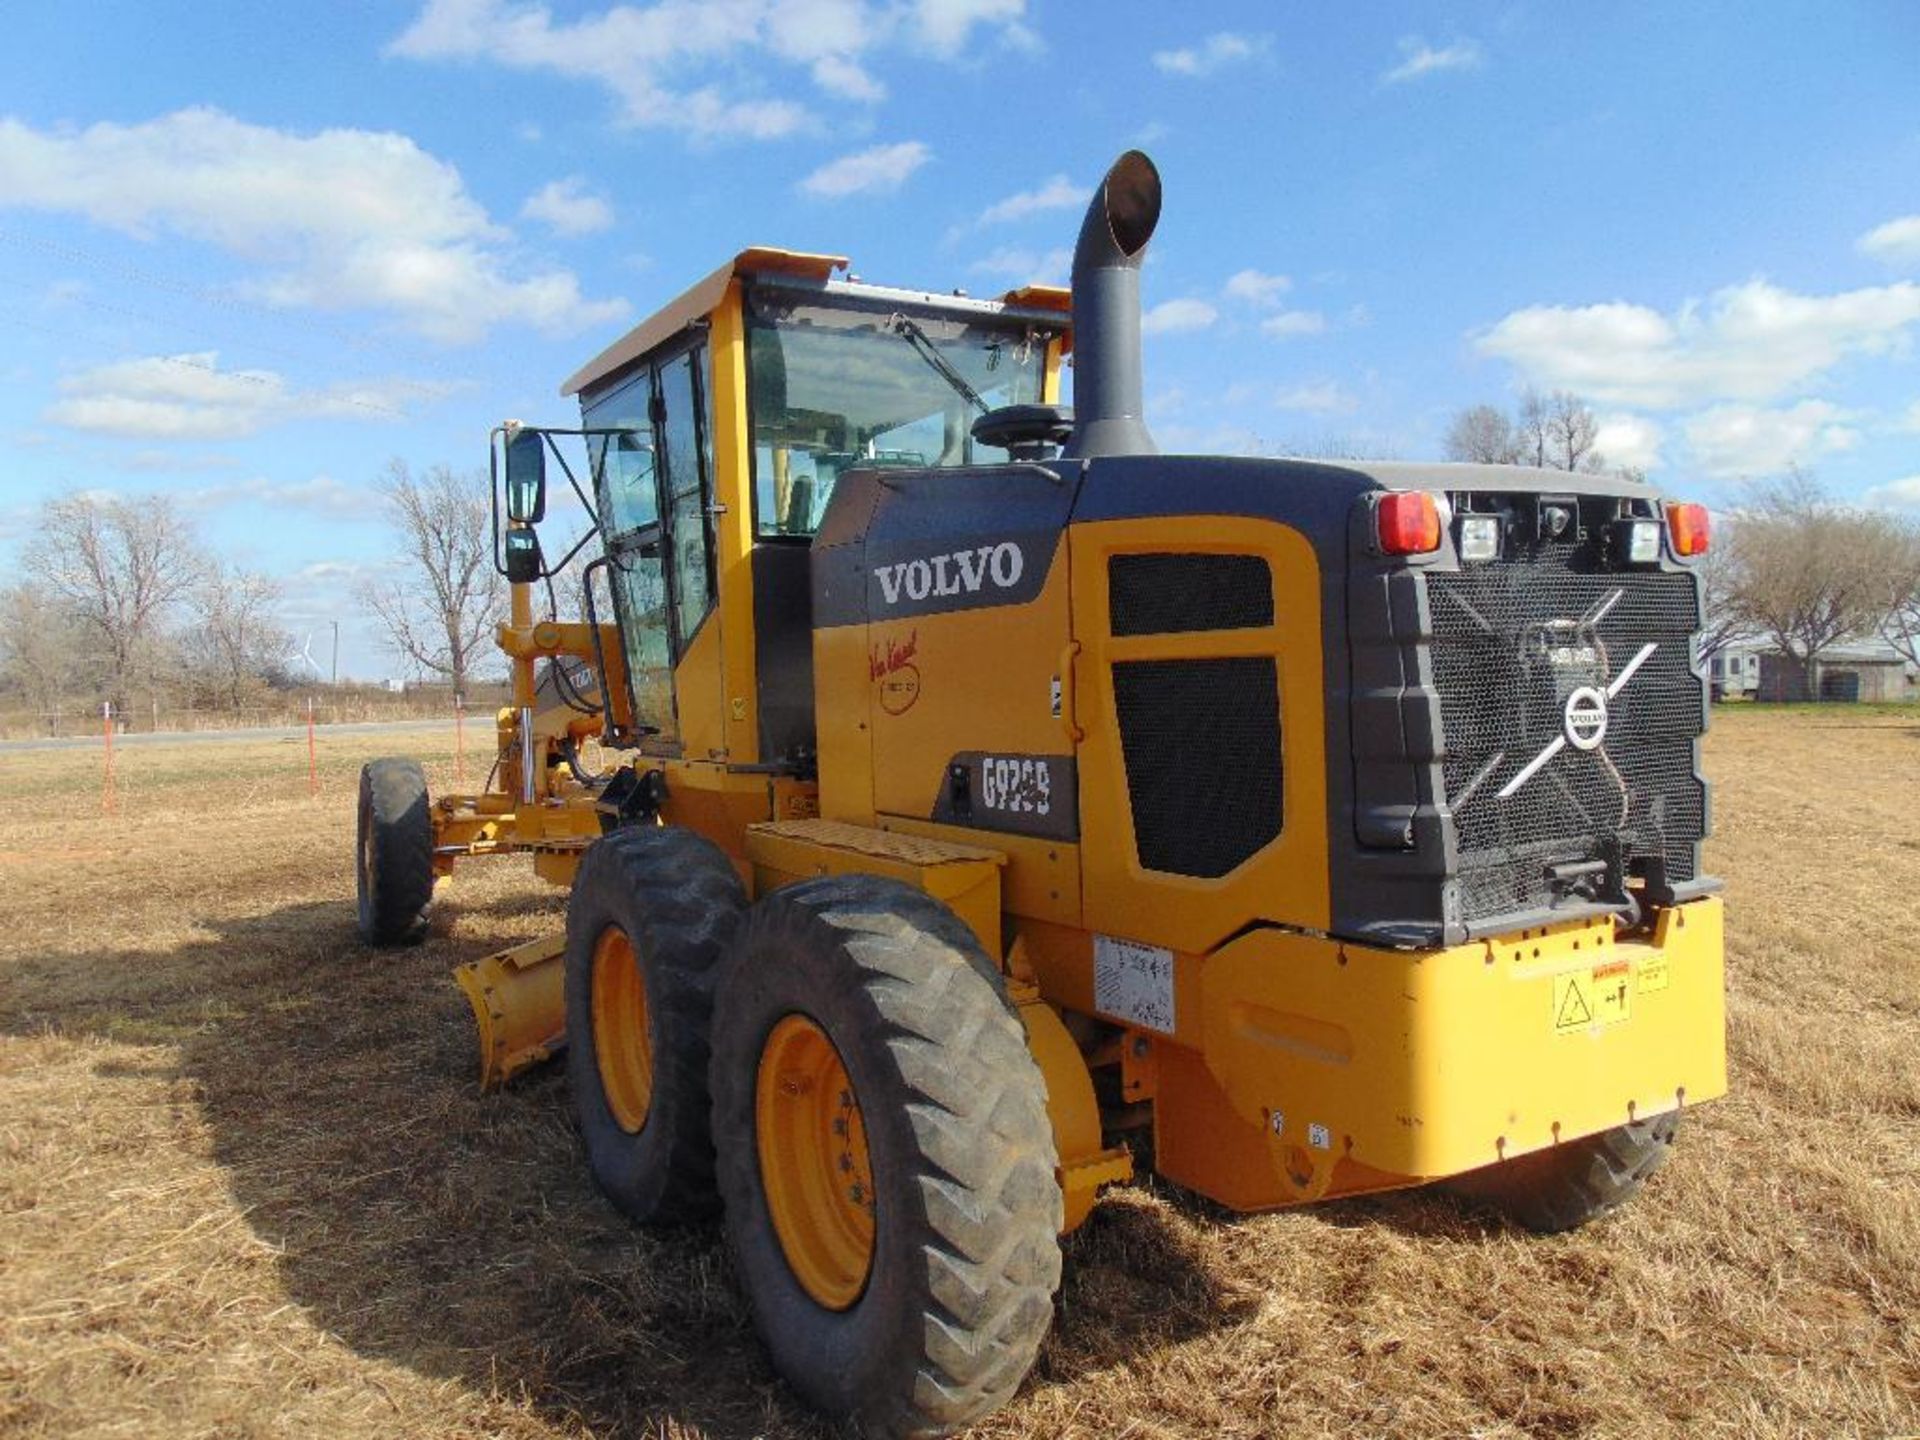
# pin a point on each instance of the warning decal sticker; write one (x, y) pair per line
(1588, 998)
(1133, 982)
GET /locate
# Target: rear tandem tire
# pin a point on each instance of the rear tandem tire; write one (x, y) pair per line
(651, 913)
(393, 853)
(1565, 1186)
(917, 1191)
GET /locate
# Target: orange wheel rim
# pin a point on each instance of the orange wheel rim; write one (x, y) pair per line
(621, 1045)
(813, 1162)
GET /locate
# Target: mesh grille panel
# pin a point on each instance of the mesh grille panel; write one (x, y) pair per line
(1201, 741)
(1167, 594)
(1512, 640)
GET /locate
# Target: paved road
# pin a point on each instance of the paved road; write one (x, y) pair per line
(215, 737)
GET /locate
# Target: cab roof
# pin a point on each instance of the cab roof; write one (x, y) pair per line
(700, 300)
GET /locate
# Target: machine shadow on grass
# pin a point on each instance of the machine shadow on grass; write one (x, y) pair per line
(460, 1235)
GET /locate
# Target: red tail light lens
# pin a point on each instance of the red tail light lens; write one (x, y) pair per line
(1687, 529)
(1409, 523)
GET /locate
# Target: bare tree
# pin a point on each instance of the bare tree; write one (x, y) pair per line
(1482, 435)
(1549, 432)
(235, 638)
(1726, 625)
(121, 567)
(1530, 430)
(1809, 573)
(1570, 432)
(443, 606)
(38, 652)
(1900, 626)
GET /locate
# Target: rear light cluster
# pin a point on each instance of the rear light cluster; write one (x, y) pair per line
(1687, 529)
(1409, 522)
(1412, 522)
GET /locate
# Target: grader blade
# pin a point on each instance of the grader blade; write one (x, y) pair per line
(518, 1004)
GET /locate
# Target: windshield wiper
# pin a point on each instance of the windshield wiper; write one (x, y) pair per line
(907, 330)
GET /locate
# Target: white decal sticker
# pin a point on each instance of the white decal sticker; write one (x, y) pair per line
(1279, 1122)
(1133, 982)
(960, 572)
(1015, 785)
(1319, 1137)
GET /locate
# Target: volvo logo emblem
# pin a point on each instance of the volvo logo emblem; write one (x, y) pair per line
(1585, 718)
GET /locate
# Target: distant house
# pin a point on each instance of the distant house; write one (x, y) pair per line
(1734, 672)
(1869, 670)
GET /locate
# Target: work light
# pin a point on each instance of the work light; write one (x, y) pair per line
(1479, 537)
(1636, 542)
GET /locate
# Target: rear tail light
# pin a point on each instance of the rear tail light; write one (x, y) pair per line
(1687, 529)
(1409, 523)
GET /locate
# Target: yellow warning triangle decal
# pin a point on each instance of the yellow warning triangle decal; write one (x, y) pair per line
(1573, 1010)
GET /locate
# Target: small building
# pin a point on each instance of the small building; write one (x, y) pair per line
(1734, 673)
(1864, 670)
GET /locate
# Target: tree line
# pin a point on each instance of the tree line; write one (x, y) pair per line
(1557, 431)
(1797, 571)
(118, 597)
(120, 602)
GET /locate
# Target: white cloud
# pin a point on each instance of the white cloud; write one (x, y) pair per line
(1896, 242)
(1911, 420)
(1729, 441)
(945, 26)
(339, 219)
(1903, 494)
(1170, 317)
(1257, 288)
(846, 77)
(1214, 53)
(1750, 342)
(1325, 398)
(1418, 58)
(1629, 441)
(188, 397)
(567, 208)
(1059, 193)
(317, 495)
(1026, 266)
(1290, 323)
(656, 59)
(877, 171)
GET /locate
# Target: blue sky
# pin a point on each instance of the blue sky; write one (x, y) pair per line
(249, 253)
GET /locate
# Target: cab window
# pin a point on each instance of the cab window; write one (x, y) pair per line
(833, 387)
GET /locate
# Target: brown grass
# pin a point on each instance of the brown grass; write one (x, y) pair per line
(247, 1187)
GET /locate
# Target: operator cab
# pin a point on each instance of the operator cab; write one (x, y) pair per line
(725, 422)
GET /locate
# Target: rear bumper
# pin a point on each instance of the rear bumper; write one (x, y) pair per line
(1367, 1068)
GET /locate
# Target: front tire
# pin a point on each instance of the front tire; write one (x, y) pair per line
(393, 853)
(885, 1157)
(1565, 1186)
(651, 913)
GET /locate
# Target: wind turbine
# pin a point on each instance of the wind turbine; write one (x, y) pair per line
(306, 654)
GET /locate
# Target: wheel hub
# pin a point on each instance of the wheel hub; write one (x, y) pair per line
(622, 1047)
(814, 1166)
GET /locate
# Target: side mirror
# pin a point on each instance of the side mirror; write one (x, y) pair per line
(523, 557)
(526, 477)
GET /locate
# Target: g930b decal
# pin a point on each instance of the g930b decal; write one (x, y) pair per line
(1017, 784)
(1015, 794)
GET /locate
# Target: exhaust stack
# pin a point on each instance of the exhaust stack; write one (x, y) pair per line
(1109, 414)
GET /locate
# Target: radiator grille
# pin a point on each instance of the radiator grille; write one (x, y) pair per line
(1164, 594)
(1201, 742)
(1511, 641)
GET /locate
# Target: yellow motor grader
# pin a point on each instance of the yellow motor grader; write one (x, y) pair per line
(999, 804)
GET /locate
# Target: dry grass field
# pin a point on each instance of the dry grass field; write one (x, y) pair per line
(248, 1188)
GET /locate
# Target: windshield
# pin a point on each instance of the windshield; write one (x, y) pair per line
(838, 387)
